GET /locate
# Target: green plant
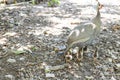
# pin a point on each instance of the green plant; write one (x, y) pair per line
(33, 2)
(53, 3)
(34, 48)
(18, 51)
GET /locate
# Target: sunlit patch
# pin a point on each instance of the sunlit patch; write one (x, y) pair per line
(10, 34)
(3, 41)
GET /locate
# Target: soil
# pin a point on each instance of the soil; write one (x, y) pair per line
(32, 38)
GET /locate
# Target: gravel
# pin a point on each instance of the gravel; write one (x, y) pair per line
(25, 25)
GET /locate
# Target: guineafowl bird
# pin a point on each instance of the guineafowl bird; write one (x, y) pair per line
(84, 34)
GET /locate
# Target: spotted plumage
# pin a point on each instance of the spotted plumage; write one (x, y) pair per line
(85, 33)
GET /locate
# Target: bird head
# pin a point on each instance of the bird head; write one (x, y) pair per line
(98, 6)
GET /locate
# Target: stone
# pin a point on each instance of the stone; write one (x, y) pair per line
(11, 60)
(11, 77)
(50, 75)
(117, 66)
(109, 60)
(22, 59)
(112, 78)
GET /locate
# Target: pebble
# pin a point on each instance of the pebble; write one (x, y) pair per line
(62, 47)
(117, 66)
(22, 59)
(89, 77)
(112, 78)
(12, 20)
(113, 56)
(22, 14)
(50, 75)
(109, 60)
(11, 60)
(11, 77)
(47, 69)
(81, 64)
(60, 53)
(90, 55)
(111, 53)
(117, 45)
(105, 68)
(102, 76)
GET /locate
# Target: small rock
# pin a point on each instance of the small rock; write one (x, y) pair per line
(11, 20)
(112, 78)
(117, 45)
(89, 55)
(43, 64)
(11, 77)
(22, 14)
(81, 64)
(11, 60)
(22, 59)
(117, 66)
(104, 67)
(47, 69)
(60, 53)
(56, 39)
(50, 75)
(55, 68)
(112, 55)
(89, 77)
(62, 47)
(103, 76)
(109, 60)
(111, 47)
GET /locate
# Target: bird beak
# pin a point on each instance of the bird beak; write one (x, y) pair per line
(100, 6)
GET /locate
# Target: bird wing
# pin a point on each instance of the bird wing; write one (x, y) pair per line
(81, 33)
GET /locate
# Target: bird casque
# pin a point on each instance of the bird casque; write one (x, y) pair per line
(84, 34)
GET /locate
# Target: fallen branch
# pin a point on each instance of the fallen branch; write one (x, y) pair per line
(112, 74)
(54, 68)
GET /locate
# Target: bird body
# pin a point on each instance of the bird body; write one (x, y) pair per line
(82, 33)
(85, 33)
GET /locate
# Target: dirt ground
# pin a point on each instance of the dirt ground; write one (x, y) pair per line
(31, 34)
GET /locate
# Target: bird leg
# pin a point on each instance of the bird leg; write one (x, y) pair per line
(68, 57)
(95, 55)
(67, 54)
(85, 48)
(79, 55)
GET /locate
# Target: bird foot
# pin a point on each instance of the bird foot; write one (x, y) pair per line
(79, 59)
(79, 55)
(95, 56)
(95, 61)
(68, 58)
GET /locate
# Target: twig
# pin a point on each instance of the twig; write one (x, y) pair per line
(16, 4)
(58, 67)
(112, 74)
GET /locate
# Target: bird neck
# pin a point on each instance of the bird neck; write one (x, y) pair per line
(96, 20)
(98, 14)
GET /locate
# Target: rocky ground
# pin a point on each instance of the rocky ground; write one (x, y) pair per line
(30, 36)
